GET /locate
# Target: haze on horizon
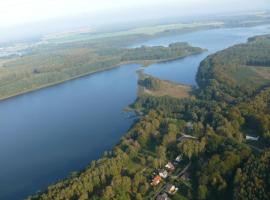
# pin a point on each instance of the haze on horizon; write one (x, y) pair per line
(19, 18)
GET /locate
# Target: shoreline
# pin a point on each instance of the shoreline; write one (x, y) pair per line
(141, 63)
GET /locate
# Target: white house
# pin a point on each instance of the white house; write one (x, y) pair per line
(178, 159)
(248, 137)
(169, 166)
(163, 173)
(171, 189)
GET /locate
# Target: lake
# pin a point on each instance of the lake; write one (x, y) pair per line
(47, 134)
(184, 70)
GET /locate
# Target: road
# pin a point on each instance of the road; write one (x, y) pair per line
(173, 177)
(255, 148)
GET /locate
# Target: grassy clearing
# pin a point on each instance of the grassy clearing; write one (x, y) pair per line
(264, 72)
(164, 88)
(250, 75)
(171, 89)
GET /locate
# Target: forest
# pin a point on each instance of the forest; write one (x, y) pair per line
(54, 63)
(236, 73)
(159, 53)
(203, 138)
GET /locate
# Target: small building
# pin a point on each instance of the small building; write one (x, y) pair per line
(163, 173)
(178, 159)
(163, 196)
(182, 139)
(185, 176)
(169, 166)
(156, 180)
(171, 189)
(189, 125)
(186, 137)
(248, 137)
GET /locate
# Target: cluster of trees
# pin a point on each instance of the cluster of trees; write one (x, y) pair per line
(150, 83)
(231, 74)
(252, 181)
(87, 182)
(214, 171)
(173, 51)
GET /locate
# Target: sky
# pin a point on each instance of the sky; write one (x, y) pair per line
(20, 13)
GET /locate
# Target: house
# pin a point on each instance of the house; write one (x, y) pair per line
(163, 196)
(178, 159)
(155, 133)
(248, 137)
(185, 176)
(169, 166)
(182, 139)
(163, 173)
(156, 180)
(186, 137)
(171, 189)
(189, 125)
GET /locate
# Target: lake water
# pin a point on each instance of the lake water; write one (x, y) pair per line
(49, 133)
(184, 70)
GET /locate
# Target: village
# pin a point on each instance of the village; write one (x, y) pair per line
(165, 181)
(167, 176)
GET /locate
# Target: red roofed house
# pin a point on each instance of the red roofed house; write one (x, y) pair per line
(156, 180)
